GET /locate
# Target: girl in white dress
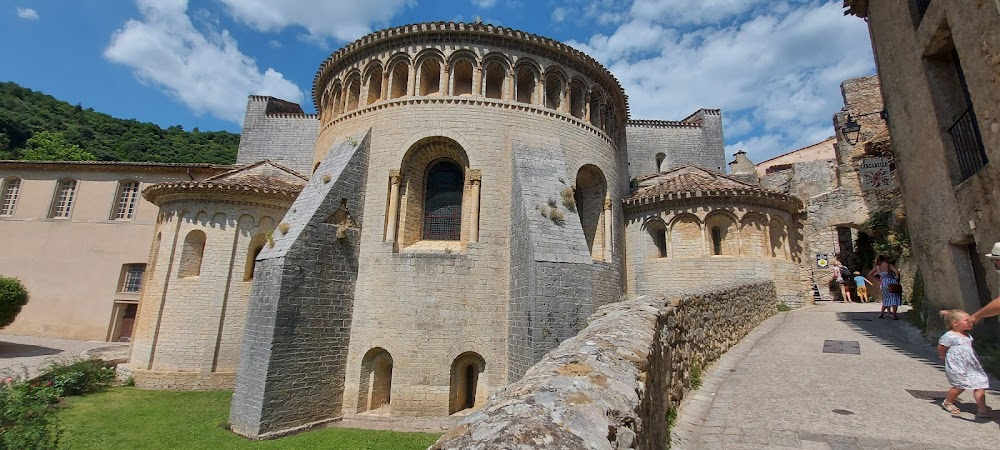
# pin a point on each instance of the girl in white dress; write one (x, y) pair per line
(961, 364)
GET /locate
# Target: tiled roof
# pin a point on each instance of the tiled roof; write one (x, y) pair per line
(692, 181)
(264, 178)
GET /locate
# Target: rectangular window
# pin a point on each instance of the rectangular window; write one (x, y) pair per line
(132, 278)
(125, 201)
(62, 203)
(11, 189)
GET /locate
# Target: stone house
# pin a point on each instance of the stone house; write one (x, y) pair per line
(939, 63)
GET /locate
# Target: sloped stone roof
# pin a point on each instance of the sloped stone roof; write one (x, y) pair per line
(696, 182)
(264, 179)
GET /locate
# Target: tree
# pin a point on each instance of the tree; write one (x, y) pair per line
(50, 146)
(13, 296)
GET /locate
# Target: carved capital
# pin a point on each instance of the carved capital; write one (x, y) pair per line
(394, 176)
(475, 176)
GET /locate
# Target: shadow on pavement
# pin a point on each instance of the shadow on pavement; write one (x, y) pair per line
(12, 350)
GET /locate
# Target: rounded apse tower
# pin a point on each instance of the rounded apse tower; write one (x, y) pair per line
(480, 168)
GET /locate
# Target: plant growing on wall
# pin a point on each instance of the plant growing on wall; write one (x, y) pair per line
(888, 233)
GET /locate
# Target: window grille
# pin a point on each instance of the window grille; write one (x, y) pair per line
(133, 278)
(443, 202)
(125, 202)
(968, 144)
(10, 192)
(63, 203)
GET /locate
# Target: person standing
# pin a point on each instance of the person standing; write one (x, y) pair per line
(892, 291)
(862, 286)
(840, 273)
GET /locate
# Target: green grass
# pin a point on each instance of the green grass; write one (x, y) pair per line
(129, 418)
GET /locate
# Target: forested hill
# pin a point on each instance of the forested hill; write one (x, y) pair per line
(38, 126)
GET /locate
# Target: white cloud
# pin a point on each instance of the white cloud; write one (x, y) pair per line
(559, 14)
(341, 20)
(484, 3)
(202, 68)
(778, 70)
(27, 13)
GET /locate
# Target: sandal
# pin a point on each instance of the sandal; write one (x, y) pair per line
(951, 408)
(985, 414)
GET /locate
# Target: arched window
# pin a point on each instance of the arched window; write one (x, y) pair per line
(525, 84)
(591, 190)
(465, 371)
(62, 201)
(462, 78)
(716, 241)
(658, 232)
(495, 75)
(430, 77)
(11, 190)
(353, 94)
(659, 161)
(596, 109)
(375, 385)
(338, 101)
(399, 80)
(374, 85)
(553, 91)
(256, 245)
(443, 202)
(577, 99)
(191, 254)
(126, 200)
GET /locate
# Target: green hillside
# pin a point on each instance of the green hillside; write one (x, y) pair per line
(65, 131)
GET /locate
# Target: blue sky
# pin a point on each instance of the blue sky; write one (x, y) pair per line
(774, 67)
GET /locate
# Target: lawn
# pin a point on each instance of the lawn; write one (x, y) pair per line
(129, 418)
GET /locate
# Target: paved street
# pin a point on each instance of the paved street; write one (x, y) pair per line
(778, 389)
(20, 354)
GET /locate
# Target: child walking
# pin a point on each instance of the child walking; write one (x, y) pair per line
(860, 281)
(961, 364)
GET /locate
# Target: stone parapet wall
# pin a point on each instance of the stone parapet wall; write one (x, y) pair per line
(611, 385)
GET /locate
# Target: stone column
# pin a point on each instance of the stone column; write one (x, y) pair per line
(475, 180)
(539, 99)
(586, 107)
(608, 217)
(411, 81)
(477, 82)
(390, 228)
(445, 81)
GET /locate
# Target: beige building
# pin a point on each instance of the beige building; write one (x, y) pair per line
(77, 235)
(939, 62)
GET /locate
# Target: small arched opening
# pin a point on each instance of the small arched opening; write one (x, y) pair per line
(462, 77)
(375, 385)
(399, 79)
(577, 99)
(465, 392)
(591, 191)
(553, 91)
(495, 75)
(253, 250)
(192, 254)
(430, 77)
(374, 85)
(525, 85)
(658, 234)
(443, 202)
(353, 93)
(722, 228)
(660, 157)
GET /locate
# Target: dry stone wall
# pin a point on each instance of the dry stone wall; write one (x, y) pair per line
(610, 387)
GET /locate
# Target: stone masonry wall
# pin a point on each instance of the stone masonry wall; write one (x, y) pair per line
(294, 353)
(610, 386)
(698, 143)
(287, 139)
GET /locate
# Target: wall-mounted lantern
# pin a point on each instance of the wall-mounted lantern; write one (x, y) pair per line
(852, 129)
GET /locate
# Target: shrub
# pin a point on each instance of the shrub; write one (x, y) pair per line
(78, 377)
(569, 201)
(695, 376)
(28, 420)
(13, 296)
(783, 307)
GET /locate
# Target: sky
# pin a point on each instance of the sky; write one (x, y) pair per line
(773, 67)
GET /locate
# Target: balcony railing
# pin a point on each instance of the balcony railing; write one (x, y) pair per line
(968, 144)
(922, 6)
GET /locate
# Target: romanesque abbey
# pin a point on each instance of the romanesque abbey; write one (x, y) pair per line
(466, 197)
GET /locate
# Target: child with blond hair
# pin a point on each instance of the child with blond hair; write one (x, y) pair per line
(961, 365)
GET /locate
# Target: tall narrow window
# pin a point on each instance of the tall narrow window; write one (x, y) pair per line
(525, 85)
(11, 190)
(443, 202)
(462, 76)
(256, 245)
(131, 280)
(495, 75)
(716, 241)
(430, 77)
(126, 200)
(398, 81)
(62, 202)
(375, 86)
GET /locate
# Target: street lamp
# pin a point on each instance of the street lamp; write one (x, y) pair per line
(852, 129)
